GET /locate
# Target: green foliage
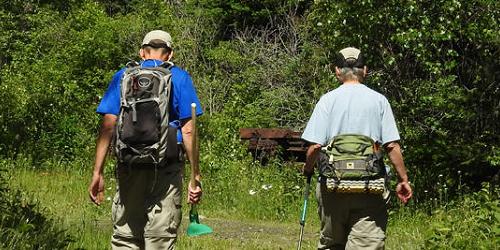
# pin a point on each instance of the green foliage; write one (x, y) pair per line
(24, 225)
(234, 16)
(55, 76)
(468, 222)
(240, 223)
(233, 179)
(471, 223)
(259, 64)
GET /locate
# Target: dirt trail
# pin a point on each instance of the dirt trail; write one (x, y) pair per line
(284, 235)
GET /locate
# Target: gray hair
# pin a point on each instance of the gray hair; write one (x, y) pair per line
(352, 74)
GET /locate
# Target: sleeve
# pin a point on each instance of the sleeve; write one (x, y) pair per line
(110, 103)
(316, 130)
(184, 95)
(389, 128)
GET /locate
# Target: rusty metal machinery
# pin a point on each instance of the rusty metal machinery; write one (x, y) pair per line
(267, 142)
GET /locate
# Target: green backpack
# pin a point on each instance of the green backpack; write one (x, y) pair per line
(352, 163)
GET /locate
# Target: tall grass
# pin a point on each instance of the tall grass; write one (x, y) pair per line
(243, 225)
(24, 224)
(266, 218)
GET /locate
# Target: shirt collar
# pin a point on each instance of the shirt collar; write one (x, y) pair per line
(151, 63)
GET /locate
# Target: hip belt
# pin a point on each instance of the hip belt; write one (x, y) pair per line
(375, 186)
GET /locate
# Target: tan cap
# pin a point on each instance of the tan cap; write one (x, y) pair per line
(350, 57)
(157, 39)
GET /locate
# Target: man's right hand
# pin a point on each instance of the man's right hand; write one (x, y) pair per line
(311, 157)
(306, 171)
(404, 192)
(96, 189)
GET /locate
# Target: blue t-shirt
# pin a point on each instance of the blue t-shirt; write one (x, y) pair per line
(353, 109)
(183, 91)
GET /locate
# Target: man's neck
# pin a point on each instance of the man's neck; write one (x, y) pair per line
(153, 58)
(351, 82)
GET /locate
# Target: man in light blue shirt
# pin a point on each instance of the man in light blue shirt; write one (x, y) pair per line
(352, 109)
(350, 221)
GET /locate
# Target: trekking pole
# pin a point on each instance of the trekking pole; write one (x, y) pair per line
(195, 227)
(304, 210)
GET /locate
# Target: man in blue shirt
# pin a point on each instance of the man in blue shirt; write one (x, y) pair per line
(146, 209)
(353, 220)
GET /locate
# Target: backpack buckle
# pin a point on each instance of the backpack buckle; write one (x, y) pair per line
(349, 165)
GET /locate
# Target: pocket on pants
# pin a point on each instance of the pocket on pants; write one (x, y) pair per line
(117, 211)
(164, 218)
(176, 215)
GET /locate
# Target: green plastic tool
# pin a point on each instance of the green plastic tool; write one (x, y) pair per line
(195, 228)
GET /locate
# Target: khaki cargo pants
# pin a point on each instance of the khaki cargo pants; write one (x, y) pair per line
(351, 221)
(146, 211)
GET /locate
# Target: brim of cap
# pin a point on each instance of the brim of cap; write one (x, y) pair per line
(157, 44)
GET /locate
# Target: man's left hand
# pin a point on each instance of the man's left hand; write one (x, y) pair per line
(194, 194)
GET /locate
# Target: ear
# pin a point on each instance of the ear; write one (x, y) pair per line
(337, 71)
(365, 71)
(142, 53)
(337, 74)
(170, 55)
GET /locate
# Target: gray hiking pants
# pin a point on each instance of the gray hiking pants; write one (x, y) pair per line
(351, 221)
(146, 211)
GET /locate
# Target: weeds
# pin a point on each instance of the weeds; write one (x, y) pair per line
(249, 207)
(24, 225)
(469, 223)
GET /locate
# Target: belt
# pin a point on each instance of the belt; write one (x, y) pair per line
(165, 164)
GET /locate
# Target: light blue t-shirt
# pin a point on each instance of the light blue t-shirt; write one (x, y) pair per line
(352, 109)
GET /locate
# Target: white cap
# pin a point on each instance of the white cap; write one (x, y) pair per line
(157, 39)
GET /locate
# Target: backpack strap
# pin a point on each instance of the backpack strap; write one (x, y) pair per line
(132, 64)
(168, 65)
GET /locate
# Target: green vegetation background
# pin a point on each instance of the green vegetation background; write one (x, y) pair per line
(256, 64)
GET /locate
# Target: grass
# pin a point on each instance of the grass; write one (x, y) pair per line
(63, 195)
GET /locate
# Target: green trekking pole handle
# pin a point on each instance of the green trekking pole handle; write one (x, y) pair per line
(304, 210)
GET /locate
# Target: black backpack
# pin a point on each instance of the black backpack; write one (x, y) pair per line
(143, 136)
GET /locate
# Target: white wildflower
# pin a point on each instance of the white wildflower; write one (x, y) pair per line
(267, 186)
(252, 192)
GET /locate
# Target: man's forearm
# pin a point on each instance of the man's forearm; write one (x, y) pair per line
(187, 138)
(394, 151)
(311, 157)
(103, 142)
(188, 145)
